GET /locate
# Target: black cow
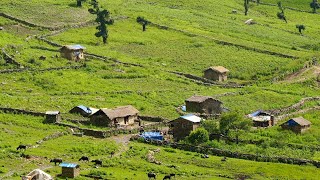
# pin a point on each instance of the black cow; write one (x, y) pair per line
(56, 160)
(21, 147)
(84, 158)
(166, 177)
(112, 154)
(173, 175)
(97, 162)
(152, 175)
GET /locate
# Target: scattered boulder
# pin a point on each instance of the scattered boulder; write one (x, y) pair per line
(250, 22)
(1, 28)
(42, 58)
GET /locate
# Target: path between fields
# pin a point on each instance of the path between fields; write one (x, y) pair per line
(122, 140)
(299, 76)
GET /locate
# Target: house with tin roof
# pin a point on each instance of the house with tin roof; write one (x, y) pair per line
(203, 104)
(70, 170)
(72, 52)
(83, 110)
(182, 126)
(216, 73)
(297, 125)
(123, 115)
(262, 118)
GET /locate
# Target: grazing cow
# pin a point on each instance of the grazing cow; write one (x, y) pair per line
(21, 147)
(112, 153)
(84, 158)
(173, 175)
(97, 162)
(56, 160)
(167, 177)
(152, 175)
(224, 159)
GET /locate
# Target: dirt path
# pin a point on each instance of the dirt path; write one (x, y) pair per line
(123, 141)
(303, 74)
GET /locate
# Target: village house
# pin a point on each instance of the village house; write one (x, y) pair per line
(297, 125)
(203, 104)
(216, 73)
(83, 110)
(72, 52)
(124, 115)
(53, 116)
(182, 126)
(262, 119)
(70, 170)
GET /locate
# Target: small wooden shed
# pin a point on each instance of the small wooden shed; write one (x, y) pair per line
(203, 104)
(216, 73)
(53, 116)
(262, 119)
(70, 170)
(182, 126)
(123, 115)
(297, 125)
(72, 52)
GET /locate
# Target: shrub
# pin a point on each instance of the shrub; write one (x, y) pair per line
(198, 136)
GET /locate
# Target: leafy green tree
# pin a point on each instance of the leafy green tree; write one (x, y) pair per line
(211, 126)
(281, 14)
(79, 2)
(143, 22)
(234, 123)
(315, 5)
(246, 7)
(103, 19)
(198, 136)
(300, 27)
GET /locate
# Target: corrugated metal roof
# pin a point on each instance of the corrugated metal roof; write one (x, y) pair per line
(74, 47)
(191, 117)
(85, 109)
(300, 120)
(52, 112)
(69, 165)
(259, 113)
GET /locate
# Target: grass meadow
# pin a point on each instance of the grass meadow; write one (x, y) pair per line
(190, 45)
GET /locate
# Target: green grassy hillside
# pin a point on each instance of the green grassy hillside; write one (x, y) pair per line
(270, 58)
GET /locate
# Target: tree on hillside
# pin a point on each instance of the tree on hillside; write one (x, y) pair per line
(246, 7)
(234, 123)
(103, 19)
(198, 136)
(143, 22)
(281, 14)
(315, 5)
(79, 2)
(300, 27)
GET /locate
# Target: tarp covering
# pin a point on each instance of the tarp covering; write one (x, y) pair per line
(152, 135)
(37, 174)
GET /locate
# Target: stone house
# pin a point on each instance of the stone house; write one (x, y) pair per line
(123, 115)
(53, 116)
(72, 52)
(182, 126)
(262, 119)
(203, 104)
(297, 125)
(216, 73)
(70, 170)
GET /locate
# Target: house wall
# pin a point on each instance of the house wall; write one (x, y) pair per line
(70, 54)
(100, 120)
(53, 118)
(210, 106)
(70, 172)
(131, 120)
(182, 128)
(296, 129)
(215, 76)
